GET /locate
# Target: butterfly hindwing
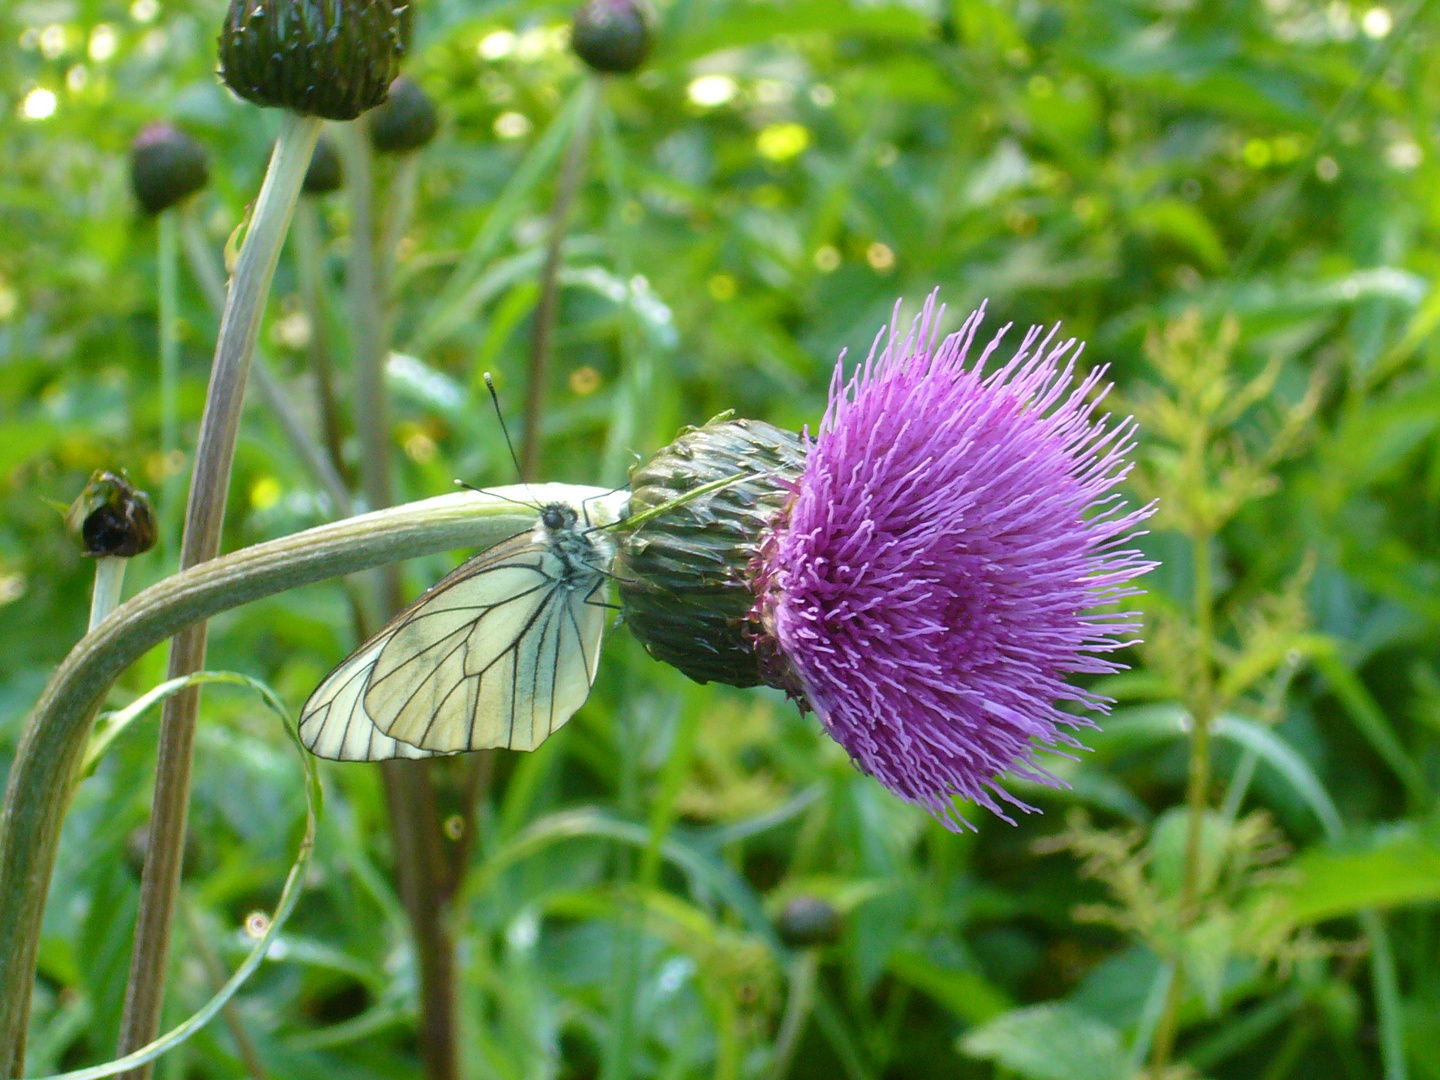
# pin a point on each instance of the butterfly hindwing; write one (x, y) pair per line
(335, 725)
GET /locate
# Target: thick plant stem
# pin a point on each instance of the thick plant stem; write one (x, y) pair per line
(53, 743)
(542, 338)
(204, 520)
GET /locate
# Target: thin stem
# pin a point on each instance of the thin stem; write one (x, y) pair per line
(195, 934)
(321, 465)
(400, 210)
(109, 580)
(309, 270)
(1197, 794)
(372, 414)
(797, 1012)
(53, 743)
(538, 373)
(169, 344)
(409, 788)
(204, 520)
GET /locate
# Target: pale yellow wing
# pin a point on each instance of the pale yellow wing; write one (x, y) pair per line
(499, 654)
(334, 723)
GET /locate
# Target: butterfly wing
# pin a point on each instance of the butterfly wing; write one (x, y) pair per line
(499, 654)
(334, 723)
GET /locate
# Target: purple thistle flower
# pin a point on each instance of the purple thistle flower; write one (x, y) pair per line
(933, 580)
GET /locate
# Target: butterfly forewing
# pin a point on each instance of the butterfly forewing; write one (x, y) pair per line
(501, 652)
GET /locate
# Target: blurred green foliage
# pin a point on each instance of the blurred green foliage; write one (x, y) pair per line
(1233, 202)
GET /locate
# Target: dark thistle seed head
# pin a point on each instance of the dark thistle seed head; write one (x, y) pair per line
(330, 58)
(406, 121)
(325, 173)
(612, 36)
(112, 517)
(684, 575)
(807, 922)
(166, 166)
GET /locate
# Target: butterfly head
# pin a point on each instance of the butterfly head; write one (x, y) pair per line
(557, 517)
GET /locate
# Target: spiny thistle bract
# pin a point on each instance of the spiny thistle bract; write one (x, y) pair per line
(329, 58)
(932, 578)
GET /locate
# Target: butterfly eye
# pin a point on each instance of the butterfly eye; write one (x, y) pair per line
(552, 518)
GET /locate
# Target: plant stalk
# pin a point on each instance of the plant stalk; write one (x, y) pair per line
(797, 1012)
(204, 521)
(169, 316)
(409, 787)
(310, 272)
(538, 371)
(318, 461)
(53, 743)
(109, 581)
(1197, 793)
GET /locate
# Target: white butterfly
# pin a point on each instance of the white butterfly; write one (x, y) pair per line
(501, 652)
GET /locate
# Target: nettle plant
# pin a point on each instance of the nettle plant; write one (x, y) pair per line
(928, 572)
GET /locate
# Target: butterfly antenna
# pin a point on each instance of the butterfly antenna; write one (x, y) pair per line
(510, 445)
(491, 493)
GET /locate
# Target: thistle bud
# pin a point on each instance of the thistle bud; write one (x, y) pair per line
(166, 166)
(612, 35)
(685, 576)
(330, 58)
(324, 174)
(407, 120)
(112, 517)
(808, 921)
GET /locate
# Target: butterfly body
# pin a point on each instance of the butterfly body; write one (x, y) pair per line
(500, 653)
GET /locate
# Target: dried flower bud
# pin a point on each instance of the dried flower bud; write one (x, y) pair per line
(407, 120)
(112, 517)
(684, 576)
(612, 35)
(166, 166)
(325, 173)
(808, 921)
(330, 58)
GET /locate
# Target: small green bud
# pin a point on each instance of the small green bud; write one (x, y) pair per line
(407, 120)
(112, 517)
(166, 167)
(325, 173)
(686, 576)
(808, 921)
(612, 35)
(330, 58)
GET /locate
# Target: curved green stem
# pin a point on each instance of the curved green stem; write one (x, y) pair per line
(55, 737)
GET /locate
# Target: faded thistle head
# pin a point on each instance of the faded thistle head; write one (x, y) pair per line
(943, 562)
(112, 517)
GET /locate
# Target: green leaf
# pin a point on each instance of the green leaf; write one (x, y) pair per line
(1328, 884)
(1050, 1042)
